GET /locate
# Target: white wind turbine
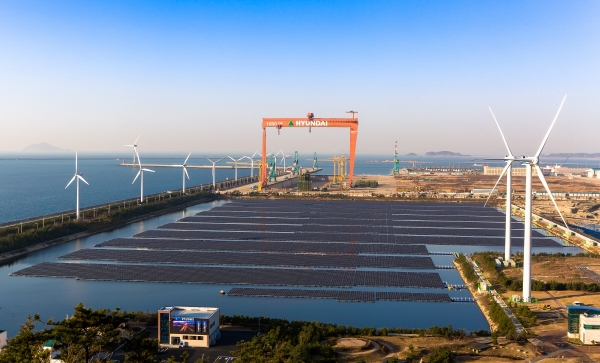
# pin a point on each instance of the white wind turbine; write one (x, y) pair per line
(530, 163)
(283, 155)
(77, 177)
(252, 162)
(509, 158)
(213, 170)
(141, 173)
(134, 146)
(235, 162)
(185, 173)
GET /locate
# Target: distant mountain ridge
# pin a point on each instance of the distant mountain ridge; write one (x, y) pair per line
(44, 147)
(443, 153)
(574, 155)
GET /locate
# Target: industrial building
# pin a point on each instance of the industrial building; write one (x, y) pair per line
(584, 323)
(185, 326)
(497, 170)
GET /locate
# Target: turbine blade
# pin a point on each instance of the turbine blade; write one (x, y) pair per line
(498, 181)
(537, 155)
(74, 176)
(186, 173)
(135, 142)
(83, 180)
(75, 162)
(501, 133)
(136, 176)
(144, 169)
(186, 159)
(543, 180)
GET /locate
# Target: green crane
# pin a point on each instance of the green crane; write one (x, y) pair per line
(396, 169)
(296, 168)
(273, 171)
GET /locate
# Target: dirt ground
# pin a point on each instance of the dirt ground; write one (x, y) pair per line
(560, 269)
(399, 347)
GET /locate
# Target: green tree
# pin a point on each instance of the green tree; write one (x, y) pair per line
(141, 348)
(87, 333)
(184, 357)
(441, 355)
(26, 346)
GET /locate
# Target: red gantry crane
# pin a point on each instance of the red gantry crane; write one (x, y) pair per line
(310, 121)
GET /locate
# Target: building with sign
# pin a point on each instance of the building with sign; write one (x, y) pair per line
(584, 323)
(186, 326)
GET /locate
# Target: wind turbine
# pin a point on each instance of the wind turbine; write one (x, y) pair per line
(213, 169)
(77, 177)
(530, 163)
(134, 146)
(283, 155)
(235, 164)
(509, 159)
(252, 162)
(141, 173)
(185, 173)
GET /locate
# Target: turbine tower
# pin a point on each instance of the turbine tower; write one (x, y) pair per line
(140, 173)
(252, 162)
(530, 163)
(77, 177)
(134, 146)
(235, 162)
(185, 173)
(509, 159)
(213, 170)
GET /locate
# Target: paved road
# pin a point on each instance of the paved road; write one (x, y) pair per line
(590, 274)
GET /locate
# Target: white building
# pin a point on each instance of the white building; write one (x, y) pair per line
(593, 172)
(188, 326)
(3, 339)
(589, 328)
(583, 323)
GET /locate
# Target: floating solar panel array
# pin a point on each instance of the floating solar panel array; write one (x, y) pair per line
(307, 244)
(251, 259)
(264, 246)
(340, 295)
(234, 276)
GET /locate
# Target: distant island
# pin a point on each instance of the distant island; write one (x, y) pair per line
(574, 155)
(43, 147)
(443, 153)
(411, 154)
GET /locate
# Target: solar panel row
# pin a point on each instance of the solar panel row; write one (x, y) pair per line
(349, 230)
(345, 237)
(264, 246)
(251, 259)
(233, 276)
(372, 217)
(340, 295)
(225, 221)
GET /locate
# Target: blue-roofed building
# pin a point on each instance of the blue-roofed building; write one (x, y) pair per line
(583, 323)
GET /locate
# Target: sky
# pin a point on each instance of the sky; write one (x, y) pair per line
(200, 75)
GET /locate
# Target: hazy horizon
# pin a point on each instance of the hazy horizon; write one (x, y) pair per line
(92, 76)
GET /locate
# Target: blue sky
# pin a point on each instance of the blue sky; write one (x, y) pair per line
(200, 76)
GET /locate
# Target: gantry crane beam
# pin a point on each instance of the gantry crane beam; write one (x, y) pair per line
(310, 122)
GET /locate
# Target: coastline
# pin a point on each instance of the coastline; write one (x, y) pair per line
(7, 257)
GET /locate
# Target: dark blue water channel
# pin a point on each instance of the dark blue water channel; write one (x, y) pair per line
(56, 297)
